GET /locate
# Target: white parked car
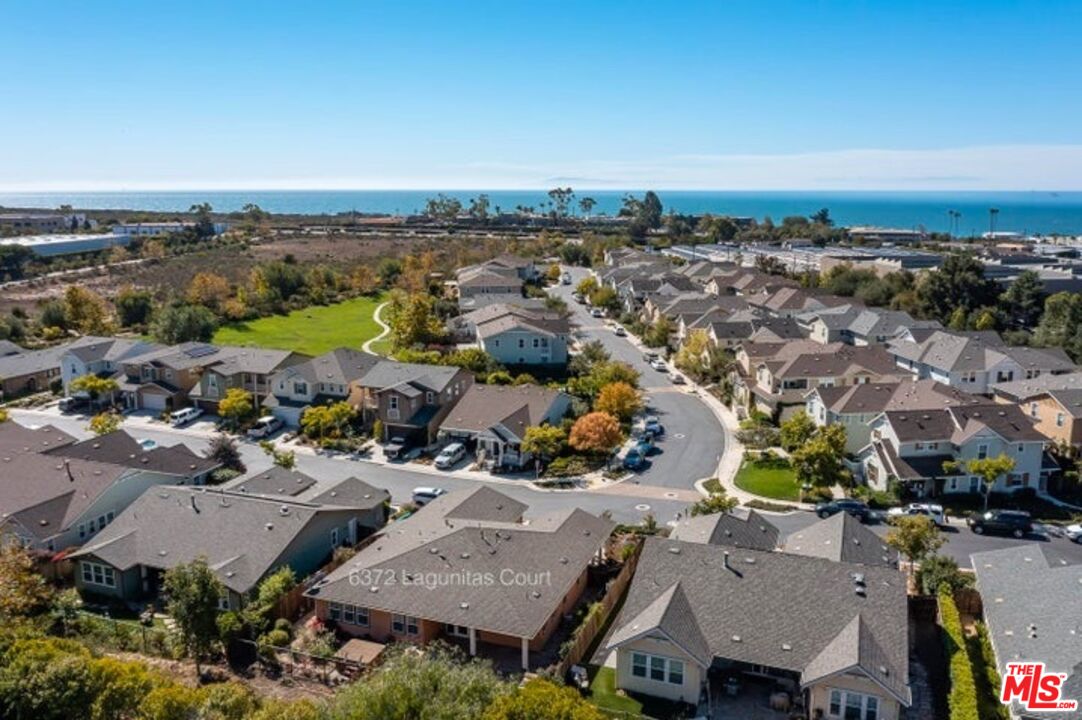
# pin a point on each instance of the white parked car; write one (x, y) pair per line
(659, 365)
(619, 331)
(1074, 532)
(450, 455)
(935, 512)
(597, 313)
(264, 427)
(424, 495)
(677, 379)
(184, 416)
(565, 279)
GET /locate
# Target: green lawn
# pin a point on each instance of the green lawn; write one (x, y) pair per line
(603, 695)
(773, 479)
(313, 330)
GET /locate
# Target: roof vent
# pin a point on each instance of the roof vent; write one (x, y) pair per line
(283, 510)
(736, 639)
(859, 590)
(464, 606)
(269, 526)
(563, 561)
(675, 550)
(750, 560)
(884, 670)
(786, 647)
(374, 589)
(536, 594)
(465, 556)
(161, 553)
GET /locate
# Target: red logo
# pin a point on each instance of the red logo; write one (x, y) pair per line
(1035, 689)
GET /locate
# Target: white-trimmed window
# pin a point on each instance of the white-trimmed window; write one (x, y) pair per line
(658, 668)
(404, 624)
(457, 630)
(98, 574)
(1060, 419)
(850, 705)
(349, 614)
(982, 452)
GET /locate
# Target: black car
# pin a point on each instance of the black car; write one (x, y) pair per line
(855, 508)
(1001, 522)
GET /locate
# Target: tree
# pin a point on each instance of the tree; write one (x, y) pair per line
(1061, 324)
(561, 199)
(443, 207)
(413, 320)
(797, 430)
(204, 223)
(989, 470)
(86, 311)
(596, 432)
(938, 571)
(46, 679)
(94, 386)
(282, 458)
(657, 334)
(819, 462)
(479, 207)
(209, 290)
(718, 228)
(1023, 301)
(193, 591)
(605, 298)
(223, 449)
(689, 357)
(133, 307)
(235, 406)
(587, 205)
(821, 217)
(105, 423)
(541, 699)
(958, 282)
(4, 415)
(364, 280)
(586, 286)
(185, 323)
(544, 441)
(620, 400)
(714, 503)
(553, 273)
(915, 537)
(26, 591)
(323, 420)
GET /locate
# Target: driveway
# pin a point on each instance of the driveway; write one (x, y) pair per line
(694, 440)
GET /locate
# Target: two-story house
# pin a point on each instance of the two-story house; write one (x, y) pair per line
(481, 280)
(409, 399)
(248, 369)
(856, 325)
(103, 357)
(323, 379)
(927, 450)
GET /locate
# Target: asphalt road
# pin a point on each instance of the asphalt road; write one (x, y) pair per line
(693, 442)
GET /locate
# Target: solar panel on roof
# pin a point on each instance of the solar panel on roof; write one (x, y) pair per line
(200, 351)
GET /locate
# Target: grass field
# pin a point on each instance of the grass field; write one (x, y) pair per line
(774, 479)
(313, 330)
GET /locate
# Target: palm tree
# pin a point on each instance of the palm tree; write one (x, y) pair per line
(992, 213)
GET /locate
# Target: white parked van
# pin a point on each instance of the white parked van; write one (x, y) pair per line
(185, 416)
(450, 455)
(424, 495)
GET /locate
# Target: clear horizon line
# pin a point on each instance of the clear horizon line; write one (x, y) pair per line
(541, 189)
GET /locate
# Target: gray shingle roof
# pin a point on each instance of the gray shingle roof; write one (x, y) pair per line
(487, 505)
(340, 366)
(1033, 606)
(120, 448)
(1020, 390)
(275, 481)
(16, 438)
(842, 538)
(750, 530)
(430, 544)
(388, 374)
(777, 609)
(516, 407)
(672, 615)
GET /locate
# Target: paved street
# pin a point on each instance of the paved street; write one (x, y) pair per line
(694, 441)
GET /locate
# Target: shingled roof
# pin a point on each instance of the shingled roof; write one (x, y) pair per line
(120, 448)
(842, 538)
(746, 529)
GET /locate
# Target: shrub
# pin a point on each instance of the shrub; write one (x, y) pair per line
(963, 693)
(757, 504)
(275, 638)
(818, 495)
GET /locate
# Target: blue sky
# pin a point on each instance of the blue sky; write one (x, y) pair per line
(361, 94)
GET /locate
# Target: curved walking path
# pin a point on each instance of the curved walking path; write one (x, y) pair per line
(367, 346)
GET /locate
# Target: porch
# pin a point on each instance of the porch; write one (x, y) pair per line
(743, 695)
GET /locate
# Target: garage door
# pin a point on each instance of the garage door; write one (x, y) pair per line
(153, 402)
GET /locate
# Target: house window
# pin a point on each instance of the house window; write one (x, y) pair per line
(334, 537)
(638, 665)
(300, 388)
(82, 530)
(457, 630)
(657, 667)
(96, 574)
(982, 452)
(393, 402)
(1021, 449)
(404, 624)
(544, 342)
(853, 706)
(496, 343)
(349, 614)
(933, 446)
(521, 343)
(676, 672)
(1060, 419)
(223, 601)
(430, 397)
(1033, 409)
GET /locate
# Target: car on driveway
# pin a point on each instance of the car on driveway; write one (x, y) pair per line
(1073, 532)
(450, 455)
(264, 427)
(73, 402)
(1015, 523)
(856, 508)
(396, 449)
(184, 416)
(659, 365)
(935, 512)
(577, 297)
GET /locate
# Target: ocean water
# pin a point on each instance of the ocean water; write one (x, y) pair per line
(1028, 212)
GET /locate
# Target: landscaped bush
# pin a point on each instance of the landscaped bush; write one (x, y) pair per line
(818, 495)
(756, 504)
(985, 675)
(963, 693)
(570, 465)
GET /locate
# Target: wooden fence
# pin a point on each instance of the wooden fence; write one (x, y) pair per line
(586, 633)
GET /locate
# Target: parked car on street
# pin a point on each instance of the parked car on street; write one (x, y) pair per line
(652, 424)
(264, 427)
(677, 379)
(1073, 532)
(450, 455)
(597, 313)
(659, 365)
(1015, 523)
(184, 416)
(650, 356)
(856, 508)
(935, 512)
(619, 331)
(424, 495)
(634, 460)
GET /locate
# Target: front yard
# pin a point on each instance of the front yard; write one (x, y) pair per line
(770, 478)
(313, 330)
(603, 694)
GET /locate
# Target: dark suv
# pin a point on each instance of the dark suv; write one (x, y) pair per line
(1001, 522)
(855, 508)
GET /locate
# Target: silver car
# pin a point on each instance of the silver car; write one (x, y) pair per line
(450, 455)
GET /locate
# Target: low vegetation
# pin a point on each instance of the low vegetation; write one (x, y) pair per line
(768, 476)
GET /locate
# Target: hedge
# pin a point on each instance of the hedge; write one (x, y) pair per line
(963, 695)
(986, 675)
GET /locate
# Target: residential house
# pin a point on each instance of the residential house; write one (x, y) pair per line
(101, 356)
(1057, 415)
(834, 633)
(508, 583)
(514, 336)
(975, 361)
(243, 537)
(323, 379)
(1031, 606)
(747, 282)
(248, 369)
(493, 419)
(842, 538)
(487, 280)
(792, 301)
(739, 528)
(1018, 392)
(409, 399)
(855, 406)
(180, 464)
(926, 450)
(56, 494)
(523, 267)
(855, 325)
(671, 307)
(23, 371)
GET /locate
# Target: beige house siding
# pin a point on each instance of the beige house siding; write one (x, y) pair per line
(1044, 411)
(693, 675)
(819, 694)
